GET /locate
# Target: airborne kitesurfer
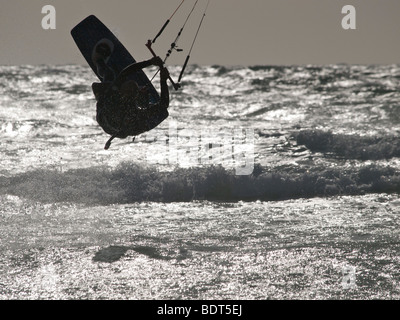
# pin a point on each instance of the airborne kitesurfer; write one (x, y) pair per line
(122, 108)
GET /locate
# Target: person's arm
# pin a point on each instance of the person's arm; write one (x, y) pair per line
(164, 96)
(135, 67)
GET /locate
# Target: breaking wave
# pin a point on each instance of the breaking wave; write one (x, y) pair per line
(130, 182)
(350, 146)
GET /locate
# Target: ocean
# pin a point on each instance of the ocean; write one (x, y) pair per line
(266, 182)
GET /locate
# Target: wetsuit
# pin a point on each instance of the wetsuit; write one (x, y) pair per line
(121, 115)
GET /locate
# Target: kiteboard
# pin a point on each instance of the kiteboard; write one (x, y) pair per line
(89, 33)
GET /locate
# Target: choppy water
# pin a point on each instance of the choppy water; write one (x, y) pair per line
(278, 182)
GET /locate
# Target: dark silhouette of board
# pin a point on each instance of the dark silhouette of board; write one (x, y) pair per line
(90, 32)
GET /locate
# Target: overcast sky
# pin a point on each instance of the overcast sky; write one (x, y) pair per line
(235, 32)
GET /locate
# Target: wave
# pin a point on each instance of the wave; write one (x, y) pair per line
(130, 182)
(350, 146)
